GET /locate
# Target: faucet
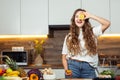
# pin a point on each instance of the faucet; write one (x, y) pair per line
(103, 63)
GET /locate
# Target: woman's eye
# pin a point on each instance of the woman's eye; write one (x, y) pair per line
(76, 16)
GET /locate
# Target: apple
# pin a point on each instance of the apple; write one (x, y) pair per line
(3, 70)
(9, 70)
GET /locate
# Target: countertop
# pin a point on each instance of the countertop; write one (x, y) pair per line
(55, 66)
(26, 78)
(74, 79)
(90, 79)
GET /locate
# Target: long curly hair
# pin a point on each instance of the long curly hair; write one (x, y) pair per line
(73, 42)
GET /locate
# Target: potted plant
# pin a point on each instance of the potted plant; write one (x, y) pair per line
(38, 51)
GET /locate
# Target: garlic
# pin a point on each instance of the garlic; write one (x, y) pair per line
(48, 71)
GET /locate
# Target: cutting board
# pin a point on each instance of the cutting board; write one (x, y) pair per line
(12, 78)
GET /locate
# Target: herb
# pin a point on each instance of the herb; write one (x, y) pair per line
(108, 72)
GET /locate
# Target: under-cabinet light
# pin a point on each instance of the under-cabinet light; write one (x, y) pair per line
(23, 36)
(110, 35)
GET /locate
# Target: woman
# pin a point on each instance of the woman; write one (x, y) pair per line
(79, 52)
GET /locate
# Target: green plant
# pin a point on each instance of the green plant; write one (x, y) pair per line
(38, 46)
(107, 72)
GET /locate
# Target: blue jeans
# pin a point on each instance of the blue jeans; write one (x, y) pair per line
(81, 69)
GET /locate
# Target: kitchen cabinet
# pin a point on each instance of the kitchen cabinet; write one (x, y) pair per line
(26, 17)
(34, 17)
(61, 11)
(9, 16)
(99, 8)
(115, 16)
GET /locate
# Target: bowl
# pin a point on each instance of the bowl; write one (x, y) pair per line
(3, 66)
(47, 77)
(112, 69)
(102, 68)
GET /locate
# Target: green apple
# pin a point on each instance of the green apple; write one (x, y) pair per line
(9, 70)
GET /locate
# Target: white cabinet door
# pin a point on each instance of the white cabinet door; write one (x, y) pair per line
(61, 11)
(9, 16)
(99, 8)
(34, 17)
(115, 16)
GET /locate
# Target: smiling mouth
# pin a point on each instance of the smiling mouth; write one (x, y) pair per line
(80, 21)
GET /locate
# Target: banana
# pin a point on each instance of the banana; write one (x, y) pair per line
(13, 73)
(16, 72)
(4, 74)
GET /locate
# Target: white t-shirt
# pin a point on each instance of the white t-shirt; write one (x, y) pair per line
(93, 60)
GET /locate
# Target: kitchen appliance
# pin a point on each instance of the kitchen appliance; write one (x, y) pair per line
(21, 57)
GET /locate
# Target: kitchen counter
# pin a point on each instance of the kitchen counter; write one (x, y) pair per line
(57, 66)
(90, 79)
(75, 79)
(87, 79)
(53, 66)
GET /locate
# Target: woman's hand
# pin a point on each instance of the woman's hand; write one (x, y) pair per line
(68, 72)
(87, 15)
(104, 22)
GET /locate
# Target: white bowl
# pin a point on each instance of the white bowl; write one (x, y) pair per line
(47, 77)
(4, 66)
(102, 68)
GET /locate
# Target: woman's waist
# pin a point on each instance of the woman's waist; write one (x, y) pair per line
(79, 60)
(86, 58)
(93, 62)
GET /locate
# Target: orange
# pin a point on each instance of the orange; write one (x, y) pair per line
(81, 16)
(0, 70)
(69, 72)
(34, 77)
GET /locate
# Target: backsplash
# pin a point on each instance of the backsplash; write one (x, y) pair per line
(27, 43)
(108, 48)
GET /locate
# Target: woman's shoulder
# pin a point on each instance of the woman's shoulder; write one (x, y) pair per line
(68, 36)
